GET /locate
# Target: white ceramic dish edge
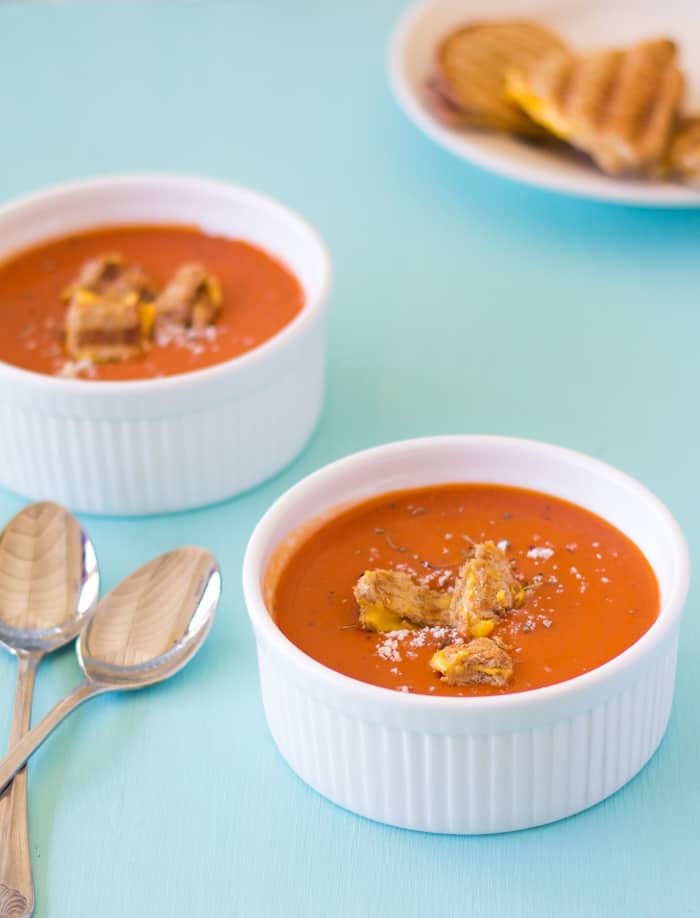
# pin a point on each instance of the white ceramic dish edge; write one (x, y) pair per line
(480, 765)
(412, 42)
(184, 441)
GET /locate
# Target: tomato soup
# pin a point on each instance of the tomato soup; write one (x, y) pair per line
(594, 592)
(259, 297)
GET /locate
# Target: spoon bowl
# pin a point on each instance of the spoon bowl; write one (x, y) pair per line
(49, 581)
(151, 624)
(145, 630)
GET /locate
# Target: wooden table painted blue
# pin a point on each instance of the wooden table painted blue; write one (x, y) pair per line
(462, 303)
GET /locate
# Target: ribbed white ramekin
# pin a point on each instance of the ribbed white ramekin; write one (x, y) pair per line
(469, 765)
(183, 441)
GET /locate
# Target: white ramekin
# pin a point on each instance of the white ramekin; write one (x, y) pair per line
(470, 765)
(183, 441)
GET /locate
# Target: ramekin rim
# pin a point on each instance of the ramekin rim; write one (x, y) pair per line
(91, 388)
(265, 626)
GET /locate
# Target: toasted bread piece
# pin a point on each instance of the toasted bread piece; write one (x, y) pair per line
(481, 661)
(109, 312)
(618, 106)
(470, 72)
(684, 152)
(390, 601)
(192, 298)
(100, 328)
(109, 275)
(486, 588)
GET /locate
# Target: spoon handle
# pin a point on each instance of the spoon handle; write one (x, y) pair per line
(30, 742)
(16, 886)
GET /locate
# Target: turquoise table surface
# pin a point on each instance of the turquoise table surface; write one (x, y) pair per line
(461, 303)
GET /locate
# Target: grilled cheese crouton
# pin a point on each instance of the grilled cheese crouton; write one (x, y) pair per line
(102, 328)
(109, 275)
(481, 661)
(108, 310)
(390, 601)
(486, 588)
(192, 299)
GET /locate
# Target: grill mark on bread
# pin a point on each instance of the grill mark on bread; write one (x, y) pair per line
(619, 106)
(566, 84)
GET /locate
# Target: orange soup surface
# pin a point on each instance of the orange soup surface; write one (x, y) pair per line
(259, 297)
(596, 593)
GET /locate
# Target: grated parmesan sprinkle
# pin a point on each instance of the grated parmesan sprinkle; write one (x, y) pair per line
(389, 649)
(71, 369)
(395, 644)
(538, 554)
(193, 339)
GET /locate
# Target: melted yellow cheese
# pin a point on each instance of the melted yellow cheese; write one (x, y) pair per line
(540, 111)
(376, 617)
(147, 315)
(482, 628)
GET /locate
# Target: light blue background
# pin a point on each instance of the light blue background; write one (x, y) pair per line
(462, 303)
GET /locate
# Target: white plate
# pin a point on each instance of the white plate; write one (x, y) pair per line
(585, 24)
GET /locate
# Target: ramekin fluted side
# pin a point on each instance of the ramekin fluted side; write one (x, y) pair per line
(470, 765)
(178, 442)
(127, 465)
(470, 782)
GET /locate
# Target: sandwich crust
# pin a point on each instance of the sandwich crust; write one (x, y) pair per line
(470, 73)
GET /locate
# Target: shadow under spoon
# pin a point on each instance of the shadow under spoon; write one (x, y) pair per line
(144, 631)
(49, 584)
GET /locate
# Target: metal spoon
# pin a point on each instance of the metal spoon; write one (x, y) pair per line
(49, 585)
(145, 630)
